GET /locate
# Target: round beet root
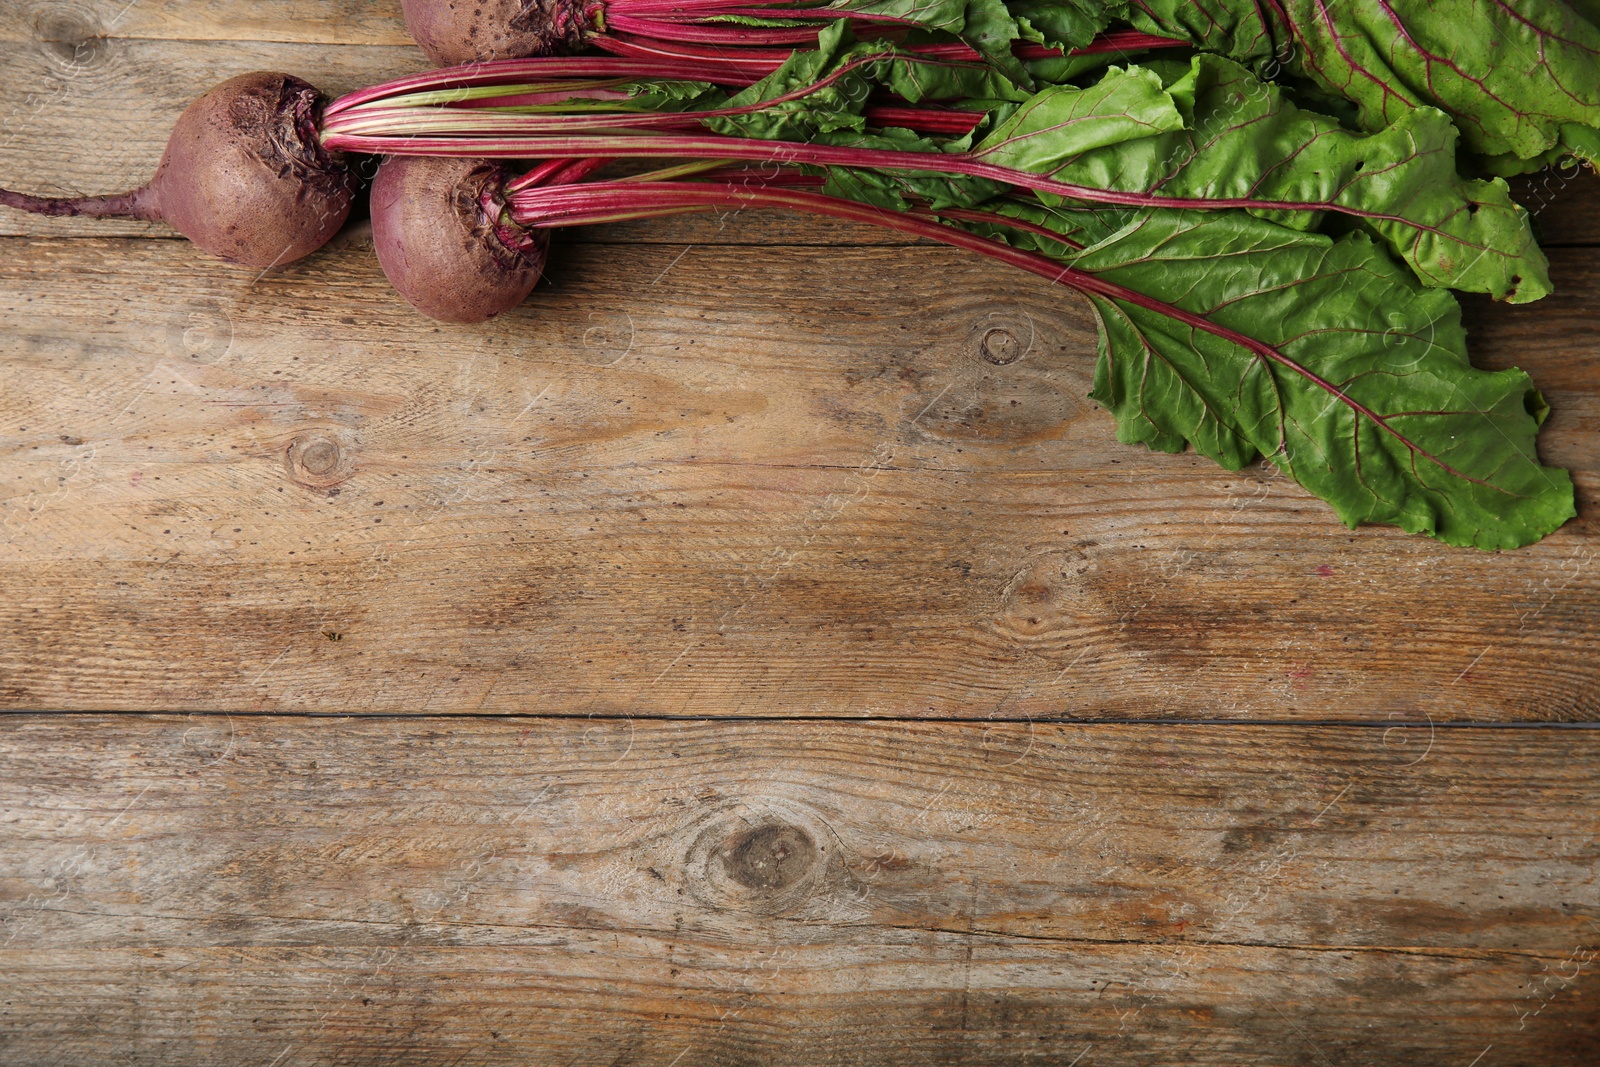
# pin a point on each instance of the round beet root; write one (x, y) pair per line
(244, 176)
(444, 240)
(466, 31)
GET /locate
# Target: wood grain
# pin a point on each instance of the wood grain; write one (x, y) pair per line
(1564, 203)
(77, 26)
(667, 486)
(755, 466)
(214, 889)
(728, 498)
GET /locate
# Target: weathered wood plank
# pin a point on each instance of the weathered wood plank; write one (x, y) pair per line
(234, 890)
(705, 480)
(76, 27)
(1565, 204)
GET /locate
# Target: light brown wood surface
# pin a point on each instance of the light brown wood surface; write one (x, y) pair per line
(777, 477)
(513, 891)
(697, 473)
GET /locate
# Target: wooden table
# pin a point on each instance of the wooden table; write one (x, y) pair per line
(755, 650)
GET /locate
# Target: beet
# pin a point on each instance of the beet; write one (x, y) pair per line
(244, 176)
(464, 31)
(446, 240)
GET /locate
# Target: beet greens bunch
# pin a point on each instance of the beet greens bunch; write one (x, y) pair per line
(1267, 205)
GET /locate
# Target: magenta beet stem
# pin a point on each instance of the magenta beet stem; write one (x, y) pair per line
(534, 70)
(712, 146)
(717, 33)
(636, 59)
(749, 65)
(923, 119)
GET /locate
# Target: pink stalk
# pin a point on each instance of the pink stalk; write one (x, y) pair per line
(546, 97)
(751, 63)
(414, 120)
(623, 145)
(716, 33)
(642, 59)
(536, 70)
(728, 46)
(617, 12)
(579, 205)
(961, 214)
(1127, 41)
(923, 119)
(542, 174)
(697, 8)
(732, 35)
(575, 170)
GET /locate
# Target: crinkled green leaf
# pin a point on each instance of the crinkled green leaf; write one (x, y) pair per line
(917, 80)
(950, 16)
(1062, 122)
(1519, 77)
(1357, 384)
(990, 29)
(986, 25)
(1219, 133)
(675, 96)
(1371, 403)
(1208, 130)
(895, 189)
(1056, 70)
(837, 106)
(840, 105)
(1062, 23)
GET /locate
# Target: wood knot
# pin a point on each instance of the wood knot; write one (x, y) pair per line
(318, 460)
(769, 858)
(1052, 599)
(999, 383)
(762, 857)
(72, 38)
(1001, 346)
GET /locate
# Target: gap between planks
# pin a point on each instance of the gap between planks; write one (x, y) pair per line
(795, 720)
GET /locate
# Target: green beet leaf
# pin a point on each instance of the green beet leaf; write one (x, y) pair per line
(1204, 131)
(837, 106)
(1363, 393)
(1521, 78)
(986, 25)
(1062, 23)
(1216, 132)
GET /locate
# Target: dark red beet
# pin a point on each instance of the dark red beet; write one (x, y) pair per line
(444, 240)
(465, 31)
(244, 176)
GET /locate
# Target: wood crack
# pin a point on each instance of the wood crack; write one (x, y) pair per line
(963, 934)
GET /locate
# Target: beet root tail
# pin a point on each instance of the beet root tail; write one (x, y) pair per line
(131, 205)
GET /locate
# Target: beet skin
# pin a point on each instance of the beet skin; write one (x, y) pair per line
(244, 176)
(441, 235)
(451, 32)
